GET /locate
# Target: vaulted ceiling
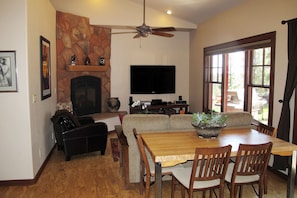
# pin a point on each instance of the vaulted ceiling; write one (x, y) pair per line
(194, 11)
(186, 14)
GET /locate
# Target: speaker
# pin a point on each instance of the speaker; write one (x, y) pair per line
(156, 102)
(181, 102)
(180, 98)
(130, 100)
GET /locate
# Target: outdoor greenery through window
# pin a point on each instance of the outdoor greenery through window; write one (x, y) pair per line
(239, 76)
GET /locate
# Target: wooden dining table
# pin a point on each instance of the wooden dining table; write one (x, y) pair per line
(172, 148)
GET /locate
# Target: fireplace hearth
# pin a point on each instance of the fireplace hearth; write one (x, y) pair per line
(86, 95)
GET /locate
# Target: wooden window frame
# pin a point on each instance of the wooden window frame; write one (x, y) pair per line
(254, 42)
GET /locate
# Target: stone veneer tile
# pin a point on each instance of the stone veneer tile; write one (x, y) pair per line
(76, 36)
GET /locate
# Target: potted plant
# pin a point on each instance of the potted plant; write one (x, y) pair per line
(208, 124)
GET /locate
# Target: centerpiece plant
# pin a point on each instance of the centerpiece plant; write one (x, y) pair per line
(206, 120)
(208, 124)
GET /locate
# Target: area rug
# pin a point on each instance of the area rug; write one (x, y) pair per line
(114, 142)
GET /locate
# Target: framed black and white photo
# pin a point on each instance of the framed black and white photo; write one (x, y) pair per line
(45, 68)
(8, 73)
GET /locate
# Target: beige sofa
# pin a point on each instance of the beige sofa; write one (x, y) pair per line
(146, 123)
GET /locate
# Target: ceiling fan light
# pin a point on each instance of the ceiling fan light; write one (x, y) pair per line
(145, 34)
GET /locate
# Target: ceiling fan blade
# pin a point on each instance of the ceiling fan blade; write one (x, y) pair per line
(131, 27)
(164, 29)
(123, 32)
(162, 34)
(137, 35)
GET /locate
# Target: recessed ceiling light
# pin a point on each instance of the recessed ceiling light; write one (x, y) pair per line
(169, 12)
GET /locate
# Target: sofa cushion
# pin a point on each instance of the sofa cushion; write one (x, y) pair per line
(142, 123)
(181, 121)
(238, 119)
(66, 123)
(145, 122)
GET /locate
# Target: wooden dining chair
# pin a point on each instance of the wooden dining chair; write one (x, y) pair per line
(249, 168)
(268, 130)
(207, 173)
(147, 172)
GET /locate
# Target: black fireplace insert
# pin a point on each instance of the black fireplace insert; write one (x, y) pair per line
(86, 95)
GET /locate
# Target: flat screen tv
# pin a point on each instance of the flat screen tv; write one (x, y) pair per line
(152, 79)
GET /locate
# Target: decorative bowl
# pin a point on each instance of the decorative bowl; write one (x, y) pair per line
(210, 124)
(209, 132)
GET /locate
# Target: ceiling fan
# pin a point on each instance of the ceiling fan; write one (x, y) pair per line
(145, 30)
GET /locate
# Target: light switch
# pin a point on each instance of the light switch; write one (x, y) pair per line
(34, 98)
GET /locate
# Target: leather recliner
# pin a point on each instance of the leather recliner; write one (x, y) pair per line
(77, 135)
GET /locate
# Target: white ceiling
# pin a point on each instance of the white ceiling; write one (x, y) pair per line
(194, 11)
(187, 14)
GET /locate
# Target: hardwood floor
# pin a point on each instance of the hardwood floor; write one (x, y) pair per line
(96, 176)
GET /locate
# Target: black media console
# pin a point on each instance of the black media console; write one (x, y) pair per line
(160, 109)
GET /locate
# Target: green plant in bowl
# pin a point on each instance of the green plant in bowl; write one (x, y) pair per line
(208, 124)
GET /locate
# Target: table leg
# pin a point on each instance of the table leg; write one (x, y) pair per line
(292, 174)
(158, 182)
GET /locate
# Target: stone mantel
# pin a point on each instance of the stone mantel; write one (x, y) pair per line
(86, 68)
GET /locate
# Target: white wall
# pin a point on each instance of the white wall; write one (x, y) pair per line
(25, 126)
(250, 18)
(15, 142)
(126, 51)
(41, 21)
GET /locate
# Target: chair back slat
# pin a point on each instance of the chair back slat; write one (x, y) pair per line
(207, 173)
(252, 159)
(210, 163)
(266, 129)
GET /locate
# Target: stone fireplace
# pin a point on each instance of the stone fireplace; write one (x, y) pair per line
(75, 36)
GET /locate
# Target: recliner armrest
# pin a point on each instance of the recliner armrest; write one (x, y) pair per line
(84, 139)
(83, 120)
(95, 129)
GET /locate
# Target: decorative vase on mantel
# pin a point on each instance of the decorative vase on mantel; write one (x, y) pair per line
(113, 104)
(87, 61)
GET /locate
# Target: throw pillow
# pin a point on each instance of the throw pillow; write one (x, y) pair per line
(66, 124)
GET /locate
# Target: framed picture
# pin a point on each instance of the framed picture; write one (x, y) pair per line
(45, 68)
(8, 73)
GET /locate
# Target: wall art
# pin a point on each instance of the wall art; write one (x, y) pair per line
(8, 72)
(45, 68)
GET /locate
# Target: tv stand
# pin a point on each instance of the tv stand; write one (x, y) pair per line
(160, 109)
